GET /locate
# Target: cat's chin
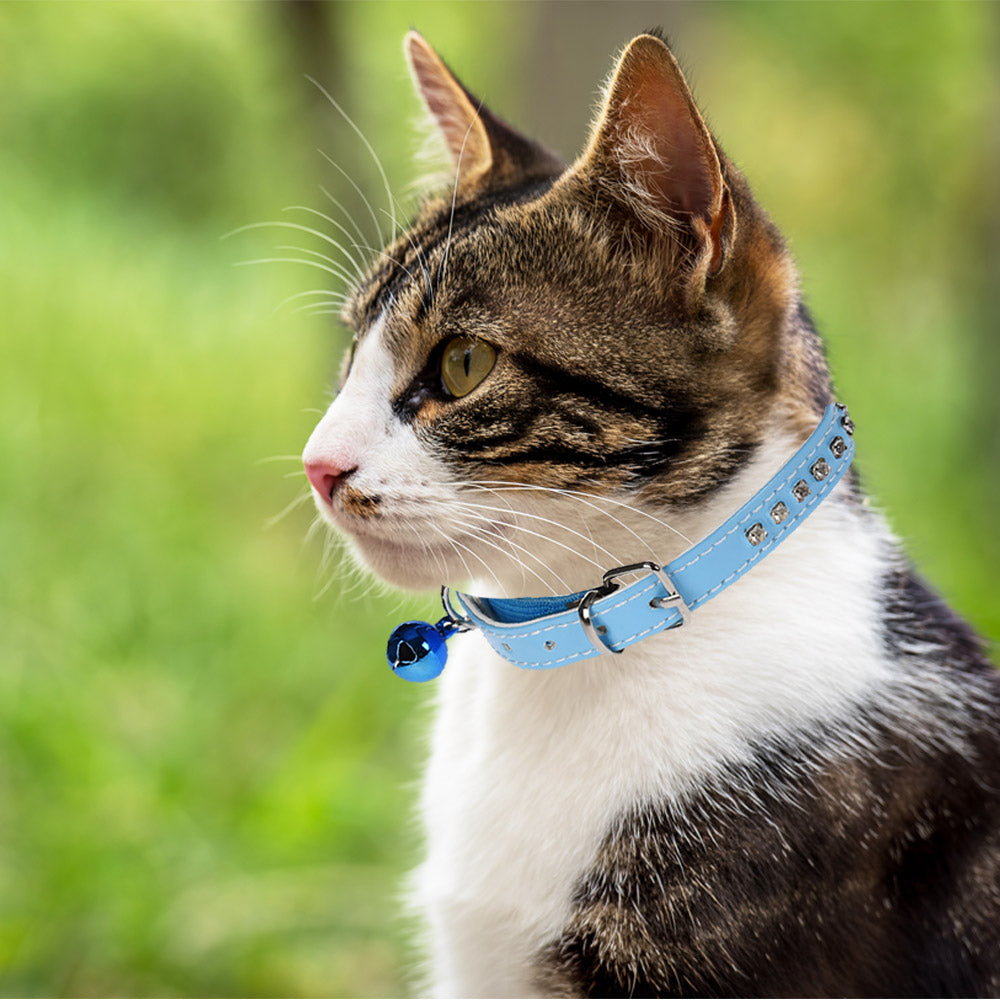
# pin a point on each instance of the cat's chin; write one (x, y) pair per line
(412, 567)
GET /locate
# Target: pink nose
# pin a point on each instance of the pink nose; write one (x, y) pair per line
(326, 477)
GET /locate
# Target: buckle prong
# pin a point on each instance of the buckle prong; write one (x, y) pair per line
(610, 584)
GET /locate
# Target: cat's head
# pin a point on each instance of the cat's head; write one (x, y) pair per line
(553, 358)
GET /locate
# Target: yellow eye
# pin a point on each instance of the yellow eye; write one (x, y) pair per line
(465, 363)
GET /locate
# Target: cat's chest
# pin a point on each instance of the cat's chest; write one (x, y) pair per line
(524, 773)
(521, 784)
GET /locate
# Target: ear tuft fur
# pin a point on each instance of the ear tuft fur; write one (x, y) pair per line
(651, 150)
(451, 107)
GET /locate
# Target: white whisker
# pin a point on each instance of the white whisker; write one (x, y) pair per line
(317, 311)
(588, 499)
(333, 307)
(340, 205)
(281, 224)
(443, 269)
(562, 545)
(421, 260)
(329, 298)
(288, 260)
(378, 163)
(363, 246)
(480, 537)
(278, 458)
(277, 518)
(399, 264)
(451, 542)
(340, 270)
(546, 520)
(333, 222)
(361, 194)
(580, 499)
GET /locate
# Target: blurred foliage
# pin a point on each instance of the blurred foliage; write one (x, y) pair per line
(203, 770)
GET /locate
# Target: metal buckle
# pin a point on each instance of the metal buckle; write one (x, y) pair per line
(609, 585)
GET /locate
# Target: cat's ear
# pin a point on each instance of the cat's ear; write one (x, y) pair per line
(485, 150)
(650, 147)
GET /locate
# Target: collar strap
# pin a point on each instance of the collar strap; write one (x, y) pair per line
(542, 632)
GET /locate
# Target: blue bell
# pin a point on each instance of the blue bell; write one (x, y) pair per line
(417, 650)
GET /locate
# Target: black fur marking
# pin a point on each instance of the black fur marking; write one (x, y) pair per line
(554, 454)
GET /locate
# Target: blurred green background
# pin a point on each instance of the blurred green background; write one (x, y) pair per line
(205, 772)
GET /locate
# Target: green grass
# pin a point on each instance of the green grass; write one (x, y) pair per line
(204, 771)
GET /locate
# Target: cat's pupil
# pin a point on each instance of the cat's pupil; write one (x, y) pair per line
(467, 360)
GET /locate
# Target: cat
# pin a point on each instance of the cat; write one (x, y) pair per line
(560, 369)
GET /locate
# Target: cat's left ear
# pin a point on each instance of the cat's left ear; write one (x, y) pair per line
(651, 149)
(486, 151)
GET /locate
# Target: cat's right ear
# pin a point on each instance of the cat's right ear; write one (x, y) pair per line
(485, 150)
(652, 151)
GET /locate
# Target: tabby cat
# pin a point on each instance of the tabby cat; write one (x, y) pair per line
(560, 369)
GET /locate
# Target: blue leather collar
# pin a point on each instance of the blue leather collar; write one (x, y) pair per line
(542, 632)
